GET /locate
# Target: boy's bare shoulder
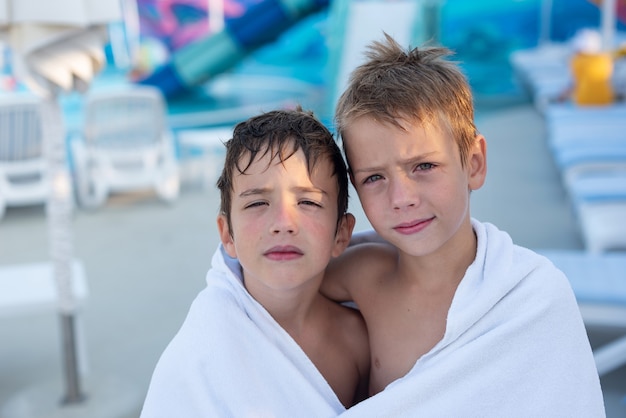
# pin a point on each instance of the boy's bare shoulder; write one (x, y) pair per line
(370, 259)
(359, 272)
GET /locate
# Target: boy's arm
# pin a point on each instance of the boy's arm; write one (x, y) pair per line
(356, 270)
(336, 283)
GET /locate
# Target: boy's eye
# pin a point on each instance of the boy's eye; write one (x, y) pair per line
(310, 203)
(424, 166)
(255, 204)
(372, 179)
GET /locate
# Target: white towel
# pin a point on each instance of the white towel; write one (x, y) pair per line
(514, 346)
(231, 359)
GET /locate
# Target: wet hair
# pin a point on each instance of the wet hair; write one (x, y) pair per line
(281, 133)
(413, 85)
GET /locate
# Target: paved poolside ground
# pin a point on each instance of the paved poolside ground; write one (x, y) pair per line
(146, 261)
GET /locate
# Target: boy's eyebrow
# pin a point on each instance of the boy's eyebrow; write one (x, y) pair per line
(409, 160)
(265, 190)
(253, 192)
(310, 190)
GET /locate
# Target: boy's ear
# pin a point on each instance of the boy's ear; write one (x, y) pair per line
(477, 163)
(225, 237)
(344, 233)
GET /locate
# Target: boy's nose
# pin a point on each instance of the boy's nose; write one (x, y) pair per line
(402, 193)
(284, 219)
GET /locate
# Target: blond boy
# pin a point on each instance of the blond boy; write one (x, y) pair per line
(461, 321)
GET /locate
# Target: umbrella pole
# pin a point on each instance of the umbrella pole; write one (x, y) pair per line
(59, 210)
(608, 23)
(545, 22)
(73, 390)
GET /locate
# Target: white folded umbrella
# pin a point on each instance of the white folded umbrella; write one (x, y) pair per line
(58, 48)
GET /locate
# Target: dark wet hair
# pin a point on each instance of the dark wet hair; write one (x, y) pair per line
(281, 133)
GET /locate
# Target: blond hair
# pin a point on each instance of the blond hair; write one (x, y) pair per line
(415, 85)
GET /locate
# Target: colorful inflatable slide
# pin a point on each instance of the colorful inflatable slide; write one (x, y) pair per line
(245, 30)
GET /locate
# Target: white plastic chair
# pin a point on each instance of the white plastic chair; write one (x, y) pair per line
(23, 179)
(125, 145)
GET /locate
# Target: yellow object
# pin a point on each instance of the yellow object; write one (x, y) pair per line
(592, 78)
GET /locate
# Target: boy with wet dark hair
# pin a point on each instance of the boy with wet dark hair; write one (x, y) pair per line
(260, 340)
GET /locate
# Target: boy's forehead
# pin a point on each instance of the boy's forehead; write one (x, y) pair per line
(369, 123)
(267, 159)
(370, 138)
(294, 179)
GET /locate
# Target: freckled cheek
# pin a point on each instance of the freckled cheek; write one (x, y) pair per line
(319, 225)
(454, 196)
(248, 227)
(373, 205)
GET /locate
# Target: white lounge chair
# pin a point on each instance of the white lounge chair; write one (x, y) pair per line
(23, 179)
(203, 153)
(125, 145)
(588, 145)
(568, 124)
(599, 283)
(596, 155)
(599, 200)
(543, 71)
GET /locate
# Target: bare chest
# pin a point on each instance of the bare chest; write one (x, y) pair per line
(401, 332)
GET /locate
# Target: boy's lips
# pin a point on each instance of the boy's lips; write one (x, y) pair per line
(283, 253)
(412, 227)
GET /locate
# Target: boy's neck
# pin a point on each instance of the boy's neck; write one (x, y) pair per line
(444, 268)
(290, 308)
(300, 321)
